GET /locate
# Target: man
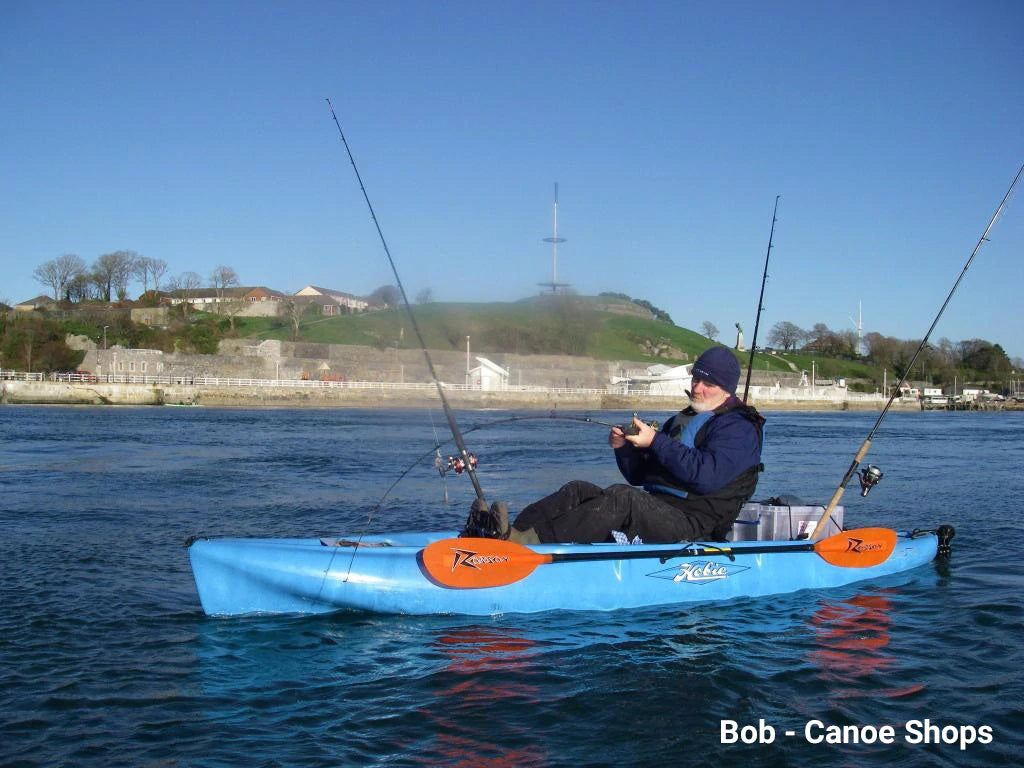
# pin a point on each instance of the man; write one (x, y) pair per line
(695, 475)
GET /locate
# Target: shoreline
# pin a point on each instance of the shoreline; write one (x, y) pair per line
(282, 396)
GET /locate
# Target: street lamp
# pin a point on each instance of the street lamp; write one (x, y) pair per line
(105, 336)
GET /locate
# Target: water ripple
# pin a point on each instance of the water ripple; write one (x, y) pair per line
(106, 658)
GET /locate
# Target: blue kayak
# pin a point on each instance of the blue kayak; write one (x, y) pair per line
(408, 573)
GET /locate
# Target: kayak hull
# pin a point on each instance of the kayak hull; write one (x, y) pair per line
(384, 574)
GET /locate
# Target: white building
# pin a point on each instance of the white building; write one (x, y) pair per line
(354, 303)
(657, 380)
(488, 376)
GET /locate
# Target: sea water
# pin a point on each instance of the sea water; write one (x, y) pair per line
(107, 659)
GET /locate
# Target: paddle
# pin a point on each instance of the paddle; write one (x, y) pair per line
(473, 563)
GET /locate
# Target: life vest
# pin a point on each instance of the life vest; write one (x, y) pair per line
(690, 428)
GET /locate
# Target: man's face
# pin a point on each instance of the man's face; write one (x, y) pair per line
(706, 396)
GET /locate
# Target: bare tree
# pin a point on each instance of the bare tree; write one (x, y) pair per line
(157, 270)
(146, 269)
(111, 272)
(140, 271)
(184, 285)
(295, 308)
(223, 278)
(81, 287)
(786, 335)
(710, 330)
(232, 307)
(58, 273)
(125, 267)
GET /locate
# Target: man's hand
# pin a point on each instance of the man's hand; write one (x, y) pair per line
(644, 436)
(616, 439)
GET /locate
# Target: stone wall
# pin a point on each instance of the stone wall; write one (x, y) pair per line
(284, 396)
(251, 359)
(360, 363)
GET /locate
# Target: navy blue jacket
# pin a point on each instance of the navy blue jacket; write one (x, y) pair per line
(731, 446)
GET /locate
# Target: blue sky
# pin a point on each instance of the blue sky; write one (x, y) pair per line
(198, 133)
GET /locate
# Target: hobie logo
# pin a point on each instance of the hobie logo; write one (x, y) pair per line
(699, 572)
(859, 545)
(706, 571)
(467, 559)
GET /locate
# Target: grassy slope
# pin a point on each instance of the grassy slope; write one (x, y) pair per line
(525, 327)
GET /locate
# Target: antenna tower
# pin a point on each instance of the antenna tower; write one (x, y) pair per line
(860, 329)
(554, 285)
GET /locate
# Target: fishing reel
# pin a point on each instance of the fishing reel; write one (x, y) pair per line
(457, 464)
(632, 429)
(869, 478)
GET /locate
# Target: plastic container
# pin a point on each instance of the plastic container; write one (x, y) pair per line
(765, 522)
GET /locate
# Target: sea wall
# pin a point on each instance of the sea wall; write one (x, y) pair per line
(284, 396)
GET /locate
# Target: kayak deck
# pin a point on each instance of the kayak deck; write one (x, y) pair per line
(385, 574)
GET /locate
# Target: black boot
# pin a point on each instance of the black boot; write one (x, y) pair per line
(484, 523)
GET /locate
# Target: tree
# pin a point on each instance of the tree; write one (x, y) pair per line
(985, 356)
(388, 295)
(157, 270)
(146, 268)
(710, 329)
(223, 278)
(786, 335)
(659, 314)
(832, 343)
(818, 332)
(58, 273)
(425, 296)
(110, 273)
(77, 288)
(36, 344)
(295, 309)
(184, 285)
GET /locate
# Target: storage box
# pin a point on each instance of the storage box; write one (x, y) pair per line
(765, 522)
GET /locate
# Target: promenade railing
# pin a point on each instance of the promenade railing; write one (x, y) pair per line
(757, 393)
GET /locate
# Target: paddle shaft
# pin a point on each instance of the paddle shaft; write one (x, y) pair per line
(569, 557)
(468, 563)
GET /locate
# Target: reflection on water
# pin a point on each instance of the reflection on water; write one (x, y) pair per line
(488, 670)
(853, 637)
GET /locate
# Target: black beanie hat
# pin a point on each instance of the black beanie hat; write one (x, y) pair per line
(719, 366)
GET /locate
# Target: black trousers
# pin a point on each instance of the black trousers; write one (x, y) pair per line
(585, 513)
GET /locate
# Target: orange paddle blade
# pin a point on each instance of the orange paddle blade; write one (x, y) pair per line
(474, 563)
(858, 548)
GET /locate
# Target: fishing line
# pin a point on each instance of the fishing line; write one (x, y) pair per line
(435, 450)
(760, 301)
(459, 442)
(439, 464)
(870, 478)
(453, 426)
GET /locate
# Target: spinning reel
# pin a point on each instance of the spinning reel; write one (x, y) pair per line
(869, 478)
(456, 464)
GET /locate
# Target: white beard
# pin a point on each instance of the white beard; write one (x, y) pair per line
(701, 406)
(705, 405)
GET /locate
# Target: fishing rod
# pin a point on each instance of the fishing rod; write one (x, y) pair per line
(452, 425)
(443, 467)
(871, 474)
(760, 301)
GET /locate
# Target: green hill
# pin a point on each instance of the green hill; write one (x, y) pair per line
(599, 327)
